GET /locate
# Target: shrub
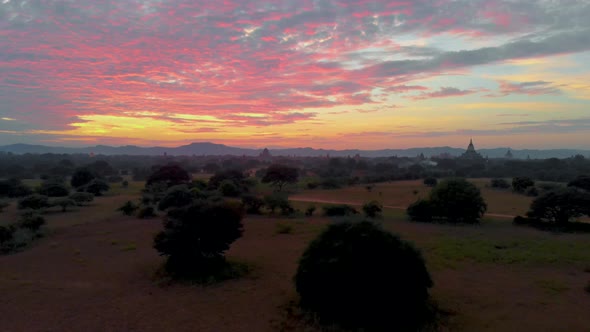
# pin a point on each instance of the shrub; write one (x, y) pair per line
(229, 189)
(5, 234)
(96, 187)
(176, 196)
(452, 200)
(280, 175)
(115, 179)
(252, 204)
(125, 184)
(421, 210)
(531, 191)
(284, 229)
(63, 203)
(581, 182)
(169, 175)
(339, 210)
(34, 202)
(372, 209)
(80, 198)
(53, 188)
(81, 177)
(32, 221)
(276, 201)
(196, 237)
(146, 212)
(361, 276)
(560, 206)
(500, 184)
(431, 182)
(310, 210)
(519, 184)
(128, 208)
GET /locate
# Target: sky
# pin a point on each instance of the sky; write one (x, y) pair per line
(296, 73)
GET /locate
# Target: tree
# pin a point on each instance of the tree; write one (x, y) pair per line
(339, 210)
(196, 237)
(229, 189)
(276, 200)
(96, 187)
(372, 209)
(171, 175)
(54, 188)
(80, 198)
(232, 175)
(128, 208)
(279, 175)
(176, 196)
(452, 200)
(560, 207)
(81, 177)
(14, 188)
(519, 184)
(361, 276)
(431, 182)
(581, 182)
(32, 221)
(35, 202)
(6, 233)
(500, 183)
(252, 203)
(62, 202)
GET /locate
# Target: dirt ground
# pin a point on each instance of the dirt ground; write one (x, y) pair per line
(94, 271)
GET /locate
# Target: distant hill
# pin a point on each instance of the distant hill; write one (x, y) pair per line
(212, 149)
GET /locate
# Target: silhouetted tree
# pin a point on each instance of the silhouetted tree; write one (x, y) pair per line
(560, 206)
(280, 175)
(81, 177)
(171, 175)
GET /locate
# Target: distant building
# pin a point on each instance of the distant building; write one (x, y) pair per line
(265, 154)
(471, 154)
(508, 154)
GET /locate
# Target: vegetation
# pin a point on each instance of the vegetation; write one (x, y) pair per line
(372, 209)
(63, 203)
(280, 175)
(54, 188)
(81, 198)
(430, 181)
(128, 208)
(339, 210)
(310, 210)
(521, 183)
(146, 212)
(500, 184)
(176, 196)
(170, 175)
(196, 237)
(95, 187)
(82, 177)
(3, 205)
(34, 201)
(581, 182)
(360, 276)
(278, 201)
(252, 203)
(560, 207)
(453, 200)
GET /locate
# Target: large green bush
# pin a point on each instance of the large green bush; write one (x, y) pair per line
(561, 206)
(34, 202)
(196, 237)
(452, 200)
(361, 276)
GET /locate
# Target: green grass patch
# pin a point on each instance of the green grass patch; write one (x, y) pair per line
(447, 251)
(129, 247)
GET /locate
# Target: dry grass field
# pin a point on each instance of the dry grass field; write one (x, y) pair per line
(95, 271)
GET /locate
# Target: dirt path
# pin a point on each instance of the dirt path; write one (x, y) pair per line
(325, 201)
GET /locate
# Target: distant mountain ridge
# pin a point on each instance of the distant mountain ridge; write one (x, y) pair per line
(212, 149)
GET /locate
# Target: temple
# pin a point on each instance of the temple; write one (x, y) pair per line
(471, 153)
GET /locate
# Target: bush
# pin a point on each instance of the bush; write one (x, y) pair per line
(361, 276)
(421, 210)
(500, 184)
(310, 210)
(276, 201)
(431, 182)
(284, 229)
(169, 175)
(372, 209)
(176, 196)
(125, 184)
(560, 206)
(5, 234)
(453, 200)
(196, 237)
(81, 177)
(581, 182)
(34, 202)
(128, 208)
(229, 189)
(63, 203)
(339, 210)
(519, 184)
(252, 204)
(531, 191)
(32, 221)
(80, 198)
(146, 212)
(96, 187)
(115, 179)
(52, 188)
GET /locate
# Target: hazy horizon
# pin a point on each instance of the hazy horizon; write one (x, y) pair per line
(331, 74)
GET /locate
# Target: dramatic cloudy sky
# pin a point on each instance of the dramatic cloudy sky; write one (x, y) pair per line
(321, 73)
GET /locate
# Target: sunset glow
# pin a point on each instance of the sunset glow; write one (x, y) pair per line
(326, 74)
